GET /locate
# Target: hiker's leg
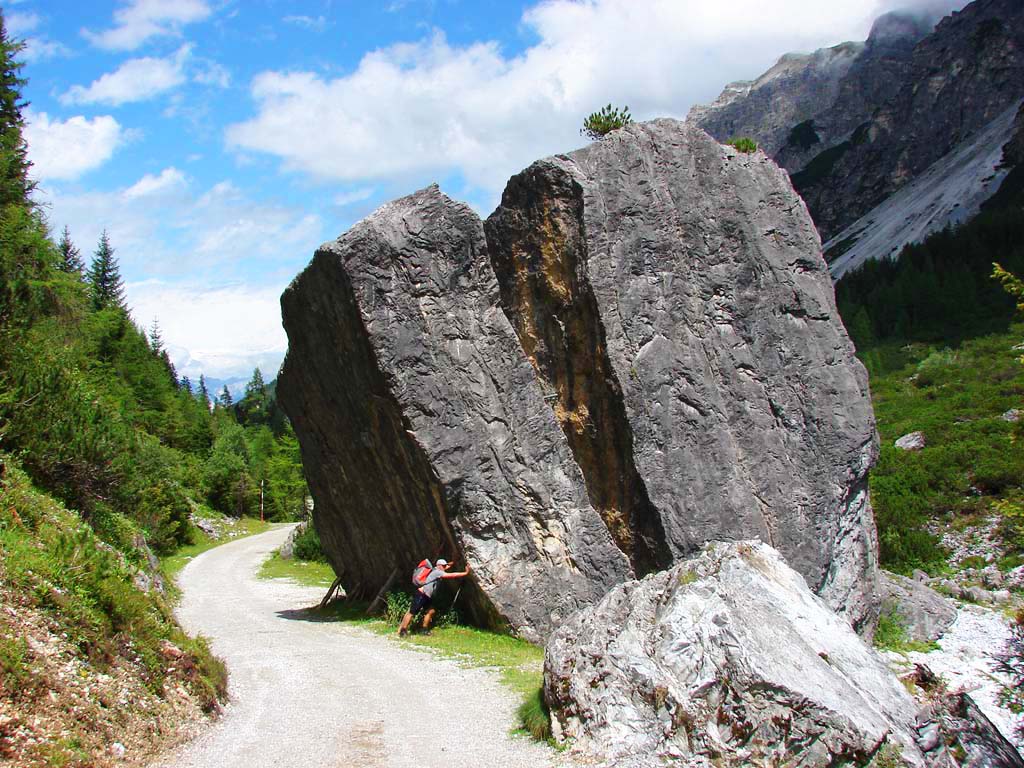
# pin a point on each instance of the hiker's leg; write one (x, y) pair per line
(428, 618)
(404, 626)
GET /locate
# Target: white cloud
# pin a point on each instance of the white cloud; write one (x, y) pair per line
(135, 80)
(66, 149)
(318, 24)
(212, 73)
(163, 229)
(209, 264)
(430, 107)
(41, 49)
(150, 185)
(139, 20)
(343, 199)
(19, 23)
(222, 332)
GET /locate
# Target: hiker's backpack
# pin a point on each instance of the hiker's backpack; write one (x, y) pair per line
(419, 576)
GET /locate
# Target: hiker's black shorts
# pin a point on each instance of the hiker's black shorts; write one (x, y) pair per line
(420, 602)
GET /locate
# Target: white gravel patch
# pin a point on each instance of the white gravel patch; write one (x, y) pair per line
(309, 694)
(964, 661)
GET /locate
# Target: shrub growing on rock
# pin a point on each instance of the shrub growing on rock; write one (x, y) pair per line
(743, 144)
(599, 124)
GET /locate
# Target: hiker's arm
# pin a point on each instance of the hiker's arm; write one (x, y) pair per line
(457, 575)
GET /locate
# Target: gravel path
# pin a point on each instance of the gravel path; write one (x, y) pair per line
(311, 694)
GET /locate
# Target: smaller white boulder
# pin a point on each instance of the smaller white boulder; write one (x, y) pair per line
(727, 659)
(913, 441)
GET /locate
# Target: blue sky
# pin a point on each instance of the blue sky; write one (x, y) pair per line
(220, 141)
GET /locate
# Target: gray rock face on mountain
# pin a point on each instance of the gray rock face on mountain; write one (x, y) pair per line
(852, 136)
(961, 77)
(728, 660)
(643, 355)
(424, 429)
(808, 103)
(672, 293)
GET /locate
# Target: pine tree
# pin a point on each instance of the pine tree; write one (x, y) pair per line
(203, 392)
(14, 164)
(256, 388)
(105, 277)
(225, 397)
(156, 339)
(186, 385)
(70, 257)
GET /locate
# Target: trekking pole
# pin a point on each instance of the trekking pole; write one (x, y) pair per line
(457, 593)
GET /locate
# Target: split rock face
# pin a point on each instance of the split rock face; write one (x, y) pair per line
(727, 659)
(638, 352)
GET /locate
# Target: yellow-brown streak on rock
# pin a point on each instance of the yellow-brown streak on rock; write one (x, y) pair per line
(539, 256)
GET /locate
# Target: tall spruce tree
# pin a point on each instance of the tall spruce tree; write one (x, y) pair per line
(156, 339)
(70, 257)
(225, 397)
(105, 277)
(203, 393)
(15, 185)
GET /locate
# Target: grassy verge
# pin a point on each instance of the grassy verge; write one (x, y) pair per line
(306, 572)
(53, 566)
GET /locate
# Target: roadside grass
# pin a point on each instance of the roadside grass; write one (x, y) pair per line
(306, 572)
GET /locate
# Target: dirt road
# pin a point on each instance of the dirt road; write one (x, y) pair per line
(311, 694)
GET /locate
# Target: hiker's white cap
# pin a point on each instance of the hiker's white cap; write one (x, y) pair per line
(442, 561)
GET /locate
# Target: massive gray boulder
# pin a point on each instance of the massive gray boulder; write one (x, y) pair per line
(727, 659)
(643, 354)
(671, 291)
(423, 429)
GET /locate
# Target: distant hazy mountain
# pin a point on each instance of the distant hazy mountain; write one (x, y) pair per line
(915, 111)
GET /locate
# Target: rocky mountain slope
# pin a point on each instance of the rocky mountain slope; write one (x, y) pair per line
(638, 352)
(907, 104)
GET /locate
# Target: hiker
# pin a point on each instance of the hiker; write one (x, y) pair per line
(426, 579)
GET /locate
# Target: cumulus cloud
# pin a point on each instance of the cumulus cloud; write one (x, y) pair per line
(149, 185)
(21, 22)
(164, 229)
(222, 332)
(41, 49)
(135, 80)
(318, 24)
(139, 20)
(429, 107)
(66, 149)
(208, 263)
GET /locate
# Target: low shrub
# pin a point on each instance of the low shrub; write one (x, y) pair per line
(534, 717)
(398, 603)
(743, 144)
(307, 545)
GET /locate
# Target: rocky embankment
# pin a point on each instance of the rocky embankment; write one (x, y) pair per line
(637, 353)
